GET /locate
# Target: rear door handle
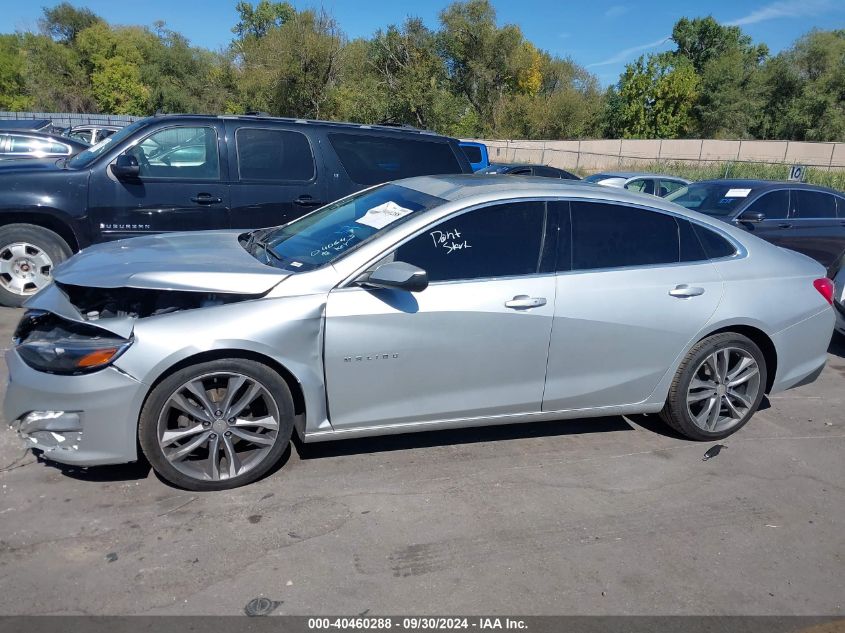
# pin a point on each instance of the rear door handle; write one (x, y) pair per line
(785, 225)
(684, 291)
(523, 302)
(307, 201)
(206, 198)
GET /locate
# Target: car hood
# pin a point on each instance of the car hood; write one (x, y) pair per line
(205, 261)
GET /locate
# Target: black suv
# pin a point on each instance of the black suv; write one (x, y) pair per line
(190, 172)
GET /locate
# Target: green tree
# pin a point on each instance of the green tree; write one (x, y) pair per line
(64, 21)
(256, 21)
(13, 74)
(657, 97)
(702, 40)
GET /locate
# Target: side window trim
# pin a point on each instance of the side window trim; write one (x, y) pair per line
(274, 129)
(214, 128)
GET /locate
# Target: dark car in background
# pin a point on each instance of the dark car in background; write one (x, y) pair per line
(528, 170)
(191, 172)
(45, 126)
(805, 218)
(16, 145)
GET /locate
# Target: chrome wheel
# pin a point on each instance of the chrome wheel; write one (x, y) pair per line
(24, 268)
(723, 389)
(218, 426)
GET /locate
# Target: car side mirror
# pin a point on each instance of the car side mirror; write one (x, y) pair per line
(126, 166)
(396, 275)
(752, 216)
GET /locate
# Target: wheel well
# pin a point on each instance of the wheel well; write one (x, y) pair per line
(293, 384)
(45, 221)
(762, 340)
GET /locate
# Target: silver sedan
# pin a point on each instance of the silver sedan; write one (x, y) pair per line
(428, 303)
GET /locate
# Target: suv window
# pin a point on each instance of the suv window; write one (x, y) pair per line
(774, 205)
(813, 204)
(473, 153)
(612, 236)
(179, 152)
(265, 154)
(502, 240)
(370, 160)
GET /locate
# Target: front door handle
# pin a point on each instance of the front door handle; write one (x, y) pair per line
(206, 198)
(523, 302)
(684, 291)
(785, 225)
(307, 201)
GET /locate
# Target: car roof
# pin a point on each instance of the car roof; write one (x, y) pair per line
(265, 118)
(24, 124)
(637, 174)
(53, 137)
(759, 183)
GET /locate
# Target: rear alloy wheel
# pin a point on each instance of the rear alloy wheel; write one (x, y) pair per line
(718, 387)
(27, 256)
(217, 425)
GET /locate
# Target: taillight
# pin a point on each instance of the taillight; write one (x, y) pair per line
(825, 288)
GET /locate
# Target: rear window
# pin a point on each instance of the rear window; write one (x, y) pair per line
(370, 160)
(473, 153)
(714, 244)
(265, 154)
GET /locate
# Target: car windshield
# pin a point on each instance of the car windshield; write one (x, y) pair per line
(718, 199)
(83, 159)
(327, 234)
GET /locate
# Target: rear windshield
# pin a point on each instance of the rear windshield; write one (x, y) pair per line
(717, 199)
(370, 160)
(473, 153)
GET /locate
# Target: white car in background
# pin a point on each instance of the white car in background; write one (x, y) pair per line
(659, 185)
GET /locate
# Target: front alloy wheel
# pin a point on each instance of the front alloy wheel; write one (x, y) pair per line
(219, 428)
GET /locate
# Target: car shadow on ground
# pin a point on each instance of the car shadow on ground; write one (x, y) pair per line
(428, 439)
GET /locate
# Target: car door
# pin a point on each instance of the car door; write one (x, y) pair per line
(181, 185)
(275, 177)
(474, 343)
(626, 304)
(816, 230)
(776, 226)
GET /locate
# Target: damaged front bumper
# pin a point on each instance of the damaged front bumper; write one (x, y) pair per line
(86, 420)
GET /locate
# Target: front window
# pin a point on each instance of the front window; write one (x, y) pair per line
(324, 236)
(715, 199)
(179, 152)
(83, 159)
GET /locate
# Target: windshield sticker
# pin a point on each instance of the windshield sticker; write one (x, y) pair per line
(737, 193)
(450, 240)
(296, 264)
(335, 246)
(380, 216)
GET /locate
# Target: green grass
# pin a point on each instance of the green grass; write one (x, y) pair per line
(768, 171)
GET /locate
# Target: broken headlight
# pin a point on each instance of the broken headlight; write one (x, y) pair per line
(51, 344)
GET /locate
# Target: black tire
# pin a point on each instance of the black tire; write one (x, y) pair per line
(44, 239)
(149, 420)
(676, 412)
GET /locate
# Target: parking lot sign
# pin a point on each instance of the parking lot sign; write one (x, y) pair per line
(796, 173)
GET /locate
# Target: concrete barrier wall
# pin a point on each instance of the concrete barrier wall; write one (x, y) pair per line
(594, 155)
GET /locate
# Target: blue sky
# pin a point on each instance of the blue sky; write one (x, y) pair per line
(601, 35)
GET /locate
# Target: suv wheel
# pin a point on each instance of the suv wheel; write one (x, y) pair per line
(217, 425)
(28, 254)
(717, 389)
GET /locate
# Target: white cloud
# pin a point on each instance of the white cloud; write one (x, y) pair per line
(625, 54)
(616, 10)
(783, 9)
